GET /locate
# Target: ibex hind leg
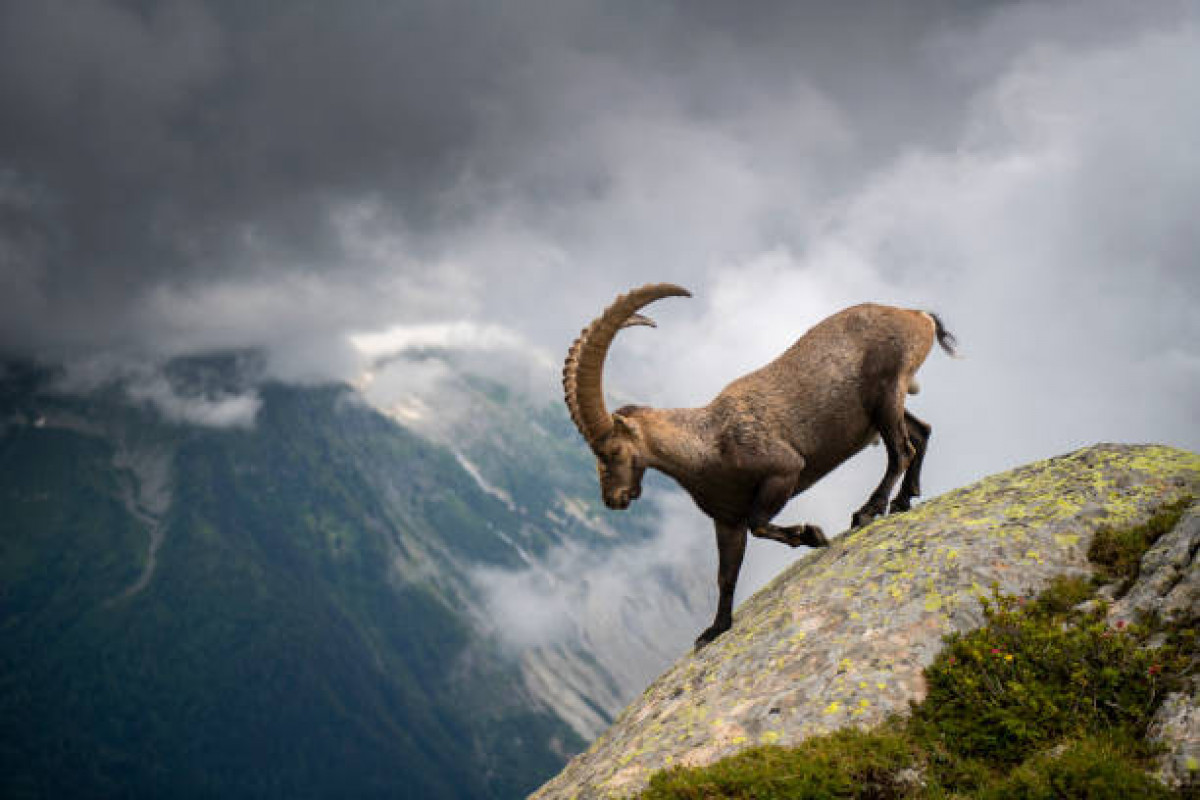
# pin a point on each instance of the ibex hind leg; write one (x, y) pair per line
(793, 535)
(919, 432)
(889, 421)
(772, 495)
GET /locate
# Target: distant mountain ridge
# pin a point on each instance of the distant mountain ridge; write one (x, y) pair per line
(288, 608)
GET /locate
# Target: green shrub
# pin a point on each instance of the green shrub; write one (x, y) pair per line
(1061, 596)
(1033, 677)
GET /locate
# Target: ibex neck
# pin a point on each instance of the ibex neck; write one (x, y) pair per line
(678, 440)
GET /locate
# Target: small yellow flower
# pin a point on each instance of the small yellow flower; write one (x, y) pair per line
(1008, 657)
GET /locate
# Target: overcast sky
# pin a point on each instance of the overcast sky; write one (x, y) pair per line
(314, 178)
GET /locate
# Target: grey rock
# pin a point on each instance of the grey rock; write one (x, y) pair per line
(1168, 581)
(909, 779)
(1177, 726)
(1168, 584)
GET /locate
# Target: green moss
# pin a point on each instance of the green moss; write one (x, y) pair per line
(1046, 700)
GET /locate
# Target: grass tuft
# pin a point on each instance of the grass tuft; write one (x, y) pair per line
(845, 764)
(1093, 768)
(1117, 552)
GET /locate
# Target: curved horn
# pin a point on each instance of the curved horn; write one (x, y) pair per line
(583, 372)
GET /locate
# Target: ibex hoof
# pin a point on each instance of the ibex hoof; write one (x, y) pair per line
(900, 505)
(863, 517)
(815, 537)
(712, 633)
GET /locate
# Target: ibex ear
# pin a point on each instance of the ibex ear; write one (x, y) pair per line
(623, 425)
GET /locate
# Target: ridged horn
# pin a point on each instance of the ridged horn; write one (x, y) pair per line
(583, 371)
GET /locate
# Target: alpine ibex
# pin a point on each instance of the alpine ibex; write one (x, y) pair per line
(770, 434)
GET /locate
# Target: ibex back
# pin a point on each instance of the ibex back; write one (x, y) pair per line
(770, 434)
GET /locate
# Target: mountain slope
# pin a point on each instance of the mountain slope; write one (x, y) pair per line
(282, 610)
(604, 600)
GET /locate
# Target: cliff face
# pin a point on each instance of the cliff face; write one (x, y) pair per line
(842, 636)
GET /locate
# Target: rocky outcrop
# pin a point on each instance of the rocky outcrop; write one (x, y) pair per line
(842, 636)
(1168, 584)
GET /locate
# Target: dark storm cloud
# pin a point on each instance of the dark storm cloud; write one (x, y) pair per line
(177, 143)
(167, 147)
(182, 176)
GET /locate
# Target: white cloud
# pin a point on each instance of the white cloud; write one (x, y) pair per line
(1055, 240)
(650, 595)
(461, 335)
(221, 411)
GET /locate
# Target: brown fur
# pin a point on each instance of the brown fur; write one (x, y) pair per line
(771, 434)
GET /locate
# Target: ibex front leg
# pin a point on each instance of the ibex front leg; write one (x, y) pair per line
(781, 471)
(731, 546)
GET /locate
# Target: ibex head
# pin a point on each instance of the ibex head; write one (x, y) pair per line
(615, 438)
(621, 463)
